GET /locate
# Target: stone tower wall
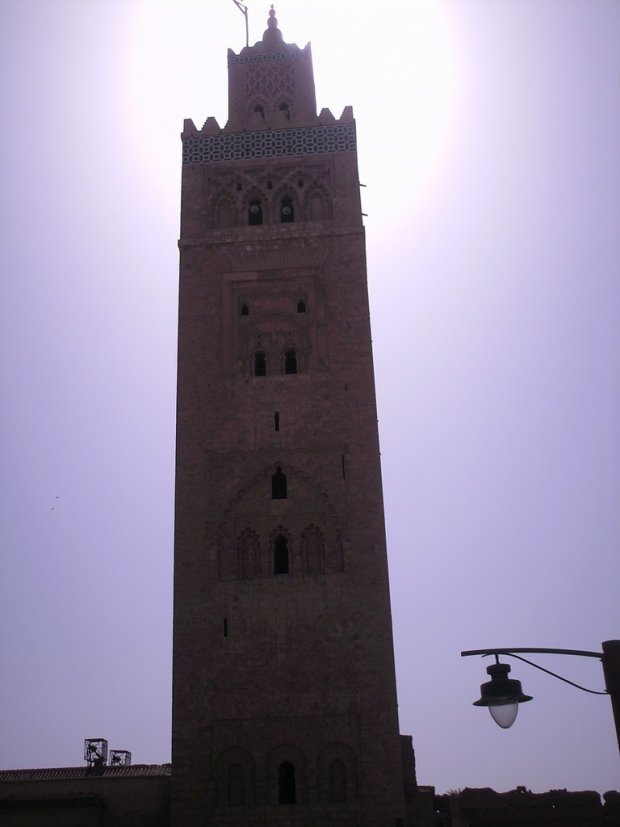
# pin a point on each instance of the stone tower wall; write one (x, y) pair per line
(274, 667)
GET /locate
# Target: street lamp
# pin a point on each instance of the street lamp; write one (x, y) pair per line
(502, 695)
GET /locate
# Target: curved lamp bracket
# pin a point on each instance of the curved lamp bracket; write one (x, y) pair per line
(513, 654)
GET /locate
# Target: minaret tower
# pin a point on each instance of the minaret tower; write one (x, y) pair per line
(284, 699)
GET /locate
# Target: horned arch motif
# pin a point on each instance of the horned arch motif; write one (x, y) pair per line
(279, 195)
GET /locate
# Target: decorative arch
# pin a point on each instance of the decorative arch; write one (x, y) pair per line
(317, 204)
(248, 554)
(253, 500)
(337, 774)
(235, 778)
(313, 550)
(228, 559)
(224, 212)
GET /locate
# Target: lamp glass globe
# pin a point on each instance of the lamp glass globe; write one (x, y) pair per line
(505, 714)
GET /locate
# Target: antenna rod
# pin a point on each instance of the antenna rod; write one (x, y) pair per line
(244, 10)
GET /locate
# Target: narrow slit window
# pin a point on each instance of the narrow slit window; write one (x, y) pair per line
(225, 627)
(278, 485)
(280, 555)
(276, 421)
(301, 306)
(290, 361)
(260, 364)
(245, 310)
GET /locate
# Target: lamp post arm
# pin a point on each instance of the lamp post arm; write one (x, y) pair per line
(582, 653)
(512, 653)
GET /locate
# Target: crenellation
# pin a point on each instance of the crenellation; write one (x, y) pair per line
(211, 126)
(326, 116)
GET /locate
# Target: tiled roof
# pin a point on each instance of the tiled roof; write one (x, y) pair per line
(60, 773)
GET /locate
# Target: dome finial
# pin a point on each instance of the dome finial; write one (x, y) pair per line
(272, 33)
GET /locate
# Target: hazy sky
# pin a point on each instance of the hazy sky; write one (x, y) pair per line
(489, 135)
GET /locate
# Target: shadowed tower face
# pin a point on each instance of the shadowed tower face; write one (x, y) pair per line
(284, 691)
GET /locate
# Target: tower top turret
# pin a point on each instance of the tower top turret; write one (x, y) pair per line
(271, 83)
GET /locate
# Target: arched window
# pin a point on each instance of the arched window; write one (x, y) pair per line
(255, 212)
(245, 311)
(337, 781)
(278, 485)
(301, 306)
(290, 362)
(286, 783)
(235, 791)
(259, 109)
(260, 363)
(287, 213)
(280, 555)
(284, 109)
